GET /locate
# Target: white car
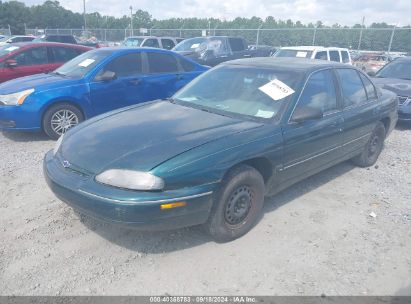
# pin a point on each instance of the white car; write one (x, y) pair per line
(14, 39)
(316, 52)
(151, 41)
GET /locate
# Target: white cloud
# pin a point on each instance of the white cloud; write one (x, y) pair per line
(345, 12)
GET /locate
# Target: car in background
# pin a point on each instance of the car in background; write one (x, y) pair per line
(15, 39)
(396, 77)
(262, 50)
(341, 55)
(56, 38)
(23, 59)
(244, 130)
(95, 82)
(166, 43)
(213, 50)
(371, 63)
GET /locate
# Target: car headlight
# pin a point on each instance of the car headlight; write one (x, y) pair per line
(58, 144)
(15, 99)
(134, 180)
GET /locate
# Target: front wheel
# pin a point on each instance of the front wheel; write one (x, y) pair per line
(60, 118)
(373, 148)
(237, 205)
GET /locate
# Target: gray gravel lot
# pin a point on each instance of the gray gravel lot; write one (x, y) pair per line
(314, 238)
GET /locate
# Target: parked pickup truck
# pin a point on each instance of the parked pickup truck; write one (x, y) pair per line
(213, 50)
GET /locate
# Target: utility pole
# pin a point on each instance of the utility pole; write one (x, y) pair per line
(392, 37)
(315, 33)
(209, 28)
(131, 20)
(258, 34)
(84, 15)
(362, 26)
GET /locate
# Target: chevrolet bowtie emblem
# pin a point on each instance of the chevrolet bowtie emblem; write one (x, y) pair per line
(66, 163)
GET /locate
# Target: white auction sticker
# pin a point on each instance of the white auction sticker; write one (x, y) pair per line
(86, 63)
(12, 48)
(276, 89)
(195, 45)
(301, 54)
(264, 114)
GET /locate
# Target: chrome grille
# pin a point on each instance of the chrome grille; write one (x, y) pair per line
(402, 99)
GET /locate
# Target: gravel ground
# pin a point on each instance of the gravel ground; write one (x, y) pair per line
(317, 237)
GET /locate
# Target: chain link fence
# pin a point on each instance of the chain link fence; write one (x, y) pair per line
(373, 39)
(5, 32)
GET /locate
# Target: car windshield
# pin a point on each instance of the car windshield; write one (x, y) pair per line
(396, 69)
(7, 49)
(193, 44)
(81, 65)
(251, 92)
(293, 53)
(4, 38)
(133, 41)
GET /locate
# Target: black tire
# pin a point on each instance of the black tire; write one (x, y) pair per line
(237, 204)
(373, 147)
(50, 119)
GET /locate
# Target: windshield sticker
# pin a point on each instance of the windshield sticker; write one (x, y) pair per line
(12, 48)
(301, 54)
(195, 45)
(276, 89)
(264, 114)
(86, 63)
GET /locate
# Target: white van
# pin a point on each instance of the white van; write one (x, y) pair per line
(316, 52)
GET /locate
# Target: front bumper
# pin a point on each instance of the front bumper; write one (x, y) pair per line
(19, 118)
(134, 209)
(404, 112)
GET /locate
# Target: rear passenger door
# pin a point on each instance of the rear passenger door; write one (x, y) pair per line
(359, 97)
(314, 144)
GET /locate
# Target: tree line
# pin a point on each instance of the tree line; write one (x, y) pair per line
(51, 14)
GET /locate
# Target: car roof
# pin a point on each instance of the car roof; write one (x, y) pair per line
(152, 37)
(312, 48)
(406, 58)
(125, 49)
(287, 63)
(34, 44)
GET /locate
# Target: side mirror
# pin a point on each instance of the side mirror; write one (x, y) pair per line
(371, 73)
(106, 76)
(11, 63)
(306, 113)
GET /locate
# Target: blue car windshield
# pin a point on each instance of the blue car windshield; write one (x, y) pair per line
(81, 65)
(239, 90)
(396, 69)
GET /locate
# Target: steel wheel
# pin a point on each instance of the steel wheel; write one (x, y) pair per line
(63, 120)
(238, 205)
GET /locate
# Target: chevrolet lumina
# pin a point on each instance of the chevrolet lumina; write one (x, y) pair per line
(210, 154)
(95, 82)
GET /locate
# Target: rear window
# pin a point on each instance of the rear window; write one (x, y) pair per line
(345, 57)
(293, 53)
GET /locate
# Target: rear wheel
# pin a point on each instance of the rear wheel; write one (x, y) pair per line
(373, 148)
(60, 118)
(237, 205)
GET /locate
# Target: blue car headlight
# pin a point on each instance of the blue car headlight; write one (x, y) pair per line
(129, 179)
(15, 99)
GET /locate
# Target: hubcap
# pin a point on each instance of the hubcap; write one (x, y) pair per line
(63, 120)
(238, 205)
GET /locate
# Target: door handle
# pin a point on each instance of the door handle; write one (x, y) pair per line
(135, 81)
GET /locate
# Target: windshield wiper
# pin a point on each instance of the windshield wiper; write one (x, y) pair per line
(58, 74)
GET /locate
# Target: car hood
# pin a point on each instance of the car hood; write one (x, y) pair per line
(401, 87)
(142, 137)
(40, 82)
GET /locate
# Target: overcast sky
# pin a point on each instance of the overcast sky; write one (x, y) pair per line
(345, 12)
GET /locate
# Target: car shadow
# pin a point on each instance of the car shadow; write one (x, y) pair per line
(25, 136)
(174, 240)
(403, 126)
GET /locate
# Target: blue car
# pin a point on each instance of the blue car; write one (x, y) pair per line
(93, 83)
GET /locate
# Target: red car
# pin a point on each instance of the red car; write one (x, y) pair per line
(23, 59)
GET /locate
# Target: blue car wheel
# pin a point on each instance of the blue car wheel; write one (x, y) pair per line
(60, 118)
(237, 205)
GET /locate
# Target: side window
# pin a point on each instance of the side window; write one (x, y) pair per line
(321, 55)
(345, 57)
(168, 44)
(162, 63)
(319, 92)
(352, 87)
(152, 42)
(124, 66)
(236, 44)
(335, 56)
(186, 65)
(33, 56)
(61, 54)
(369, 87)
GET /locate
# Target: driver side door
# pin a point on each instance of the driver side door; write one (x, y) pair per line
(313, 144)
(124, 90)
